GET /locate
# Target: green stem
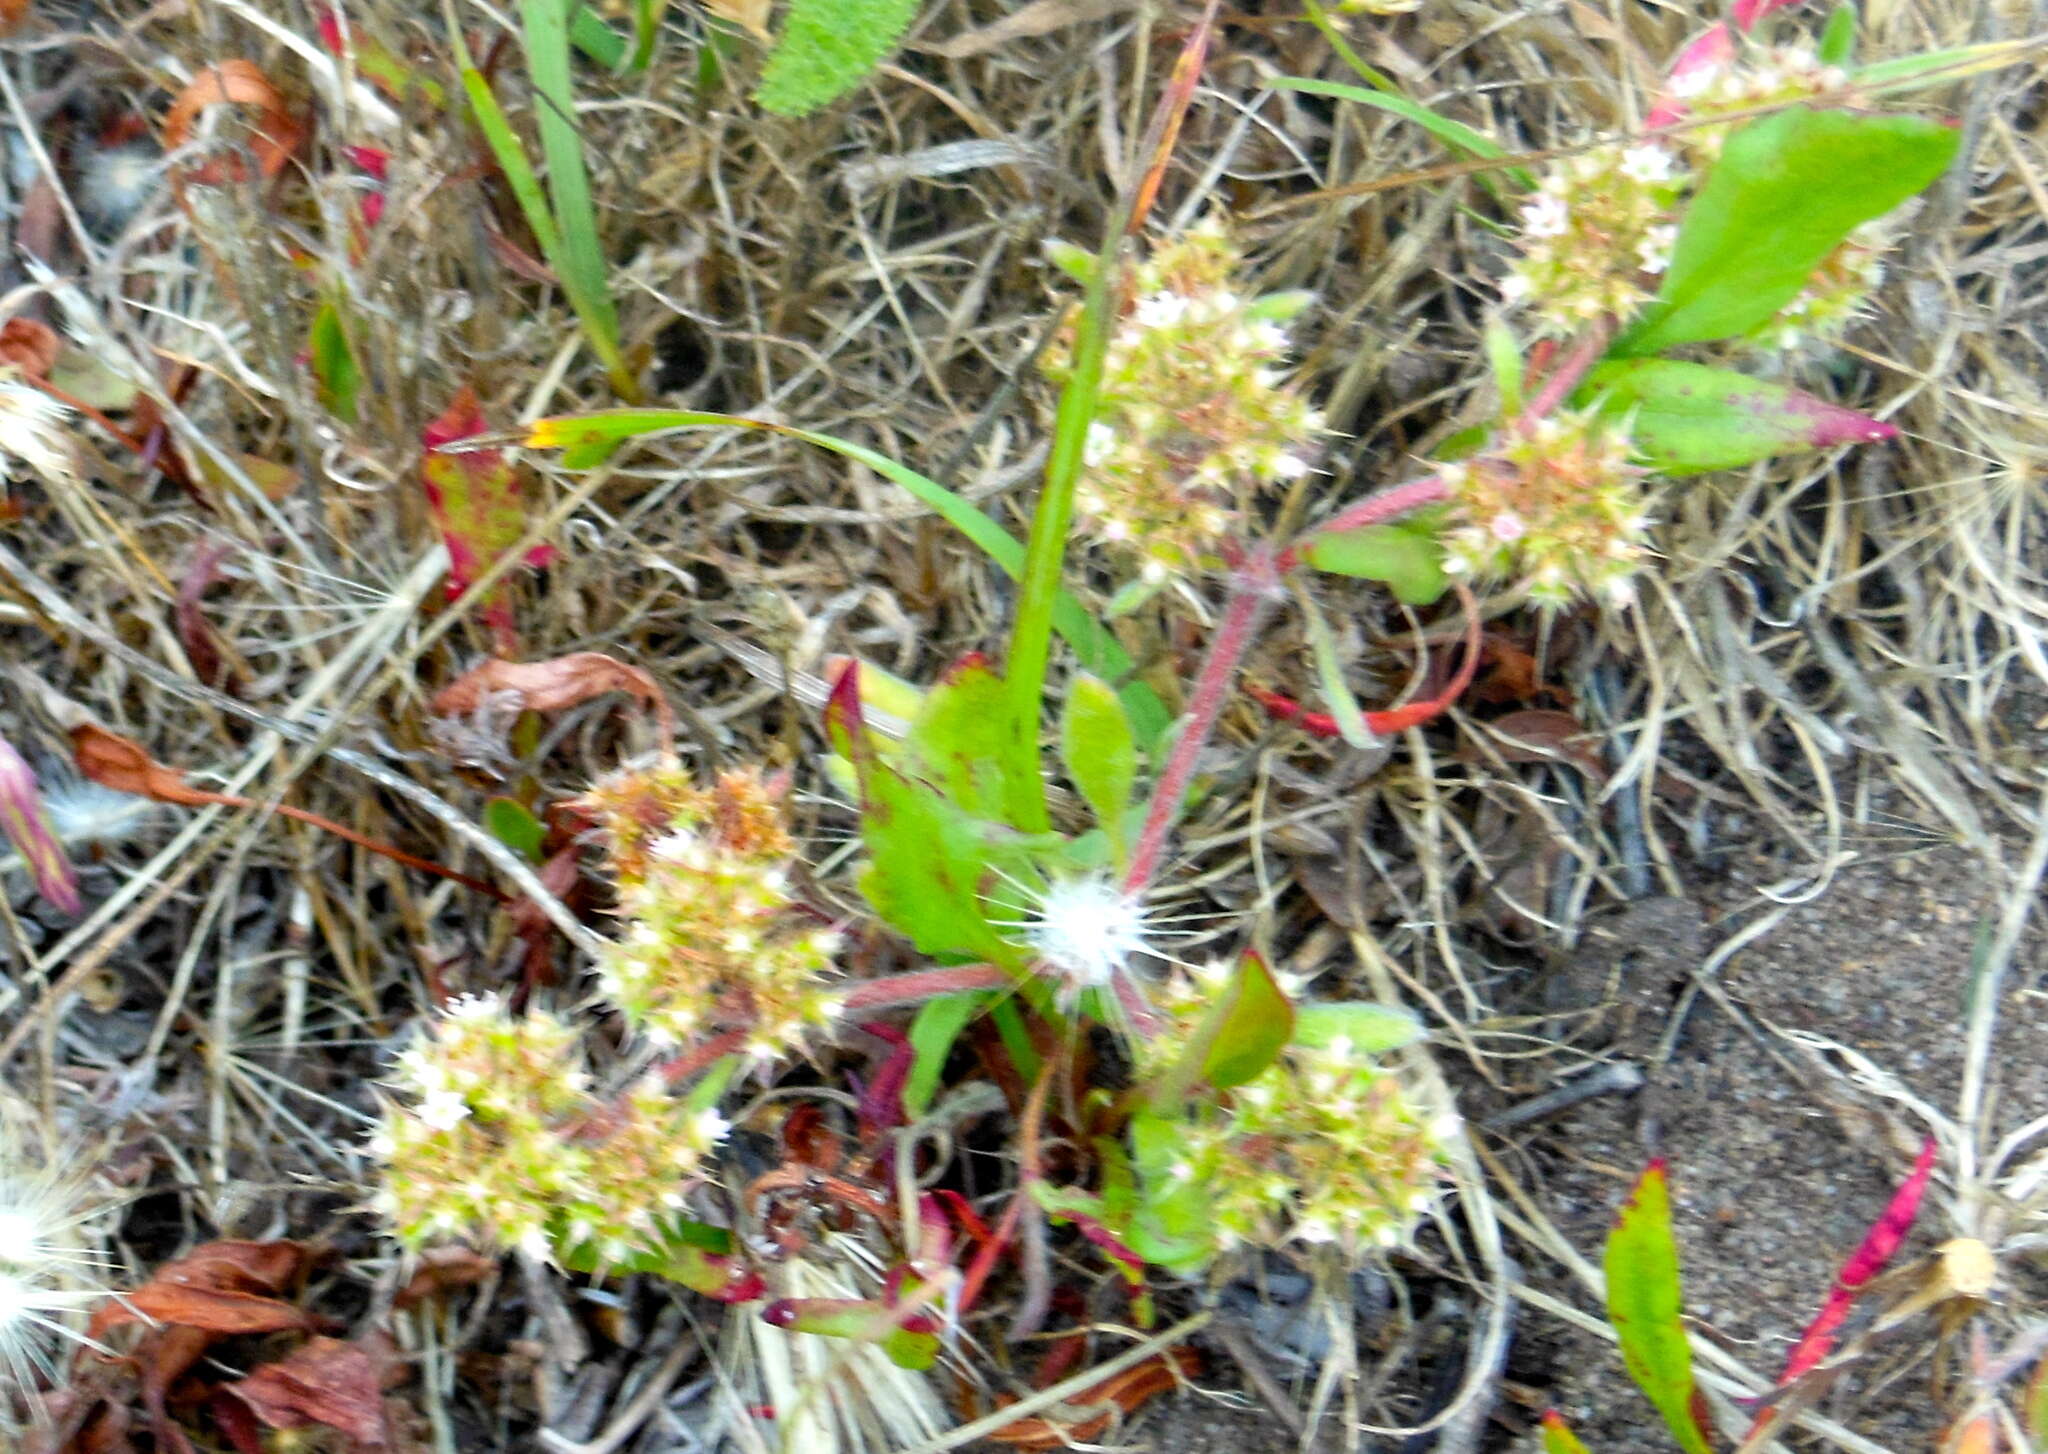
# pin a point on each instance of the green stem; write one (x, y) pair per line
(1045, 548)
(1320, 18)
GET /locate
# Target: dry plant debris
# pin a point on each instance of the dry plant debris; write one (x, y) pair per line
(280, 313)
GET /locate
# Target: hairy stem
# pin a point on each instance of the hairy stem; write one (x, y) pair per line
(1254, 586)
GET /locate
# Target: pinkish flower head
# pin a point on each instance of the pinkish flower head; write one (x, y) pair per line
(27, 827)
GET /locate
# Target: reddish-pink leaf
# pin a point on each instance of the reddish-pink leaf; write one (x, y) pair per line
(27, 827)
(1748, 12)
(1869, 1259)
(1712, 48)
(195, 633)
(554, 685)
(479, 503)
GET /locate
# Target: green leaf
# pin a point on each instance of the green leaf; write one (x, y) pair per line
(1241, 1033)
(1687, 418)
(937, 1025)
(1256, 1025)
(696, 1255)
(590, 439)
(1644, 1301)
(1369, 1029)
(926, 859)
(1100, 754)
(335, 371)
(589, 34)
(827, 48)
(578, 257)
(1787, 189)
(1838, 37)
(1173, 1225)
(509, 821)
(1454, 134)
(1344, 708)
(1403, 553)
(1504, 357)
(957, 738)
(2034, 1405)
(1558, 1437)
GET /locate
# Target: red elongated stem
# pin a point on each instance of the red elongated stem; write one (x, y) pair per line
(923, 984)
(1254, 587)
(1375, 509)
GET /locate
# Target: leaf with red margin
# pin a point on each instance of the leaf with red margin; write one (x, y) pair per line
(1645, 1302)
(1557, 1435)
(1687, 418)
(478, 499)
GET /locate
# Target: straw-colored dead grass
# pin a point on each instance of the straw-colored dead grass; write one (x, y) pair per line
(1820, 633)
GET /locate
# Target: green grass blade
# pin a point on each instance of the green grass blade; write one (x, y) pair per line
(579, 261)
(646, 30)
(510, 157)
(1454, 134)
(589, 34)
(586, 439)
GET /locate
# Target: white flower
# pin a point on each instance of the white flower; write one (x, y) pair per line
(1647, 164)
(1100, 445)
(1159, 310)
(32, 431)
(1545, 215)
(1654, 251)
(42, 1265)
(443, 1109)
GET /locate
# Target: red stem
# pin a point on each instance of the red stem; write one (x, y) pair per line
(923, 984)
(1253, 588)
(1372, 510)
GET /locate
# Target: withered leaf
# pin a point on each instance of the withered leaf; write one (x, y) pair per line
(552, 685)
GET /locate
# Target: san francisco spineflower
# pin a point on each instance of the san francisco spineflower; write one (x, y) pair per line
(495, 1137)
(1554, 506)
(1086, 932)
(712, 933)
(1324, 1146)
(1196, 413)
(47, 1272)
(1597, 235)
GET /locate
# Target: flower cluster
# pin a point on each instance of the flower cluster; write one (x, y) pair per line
(497, 1137)
(1597, 234)
(704, 888)
(1196, 412)
(1554, 506)
(1323, 1147)
(1745, 82)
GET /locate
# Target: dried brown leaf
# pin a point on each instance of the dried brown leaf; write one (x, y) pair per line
(551, 686)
